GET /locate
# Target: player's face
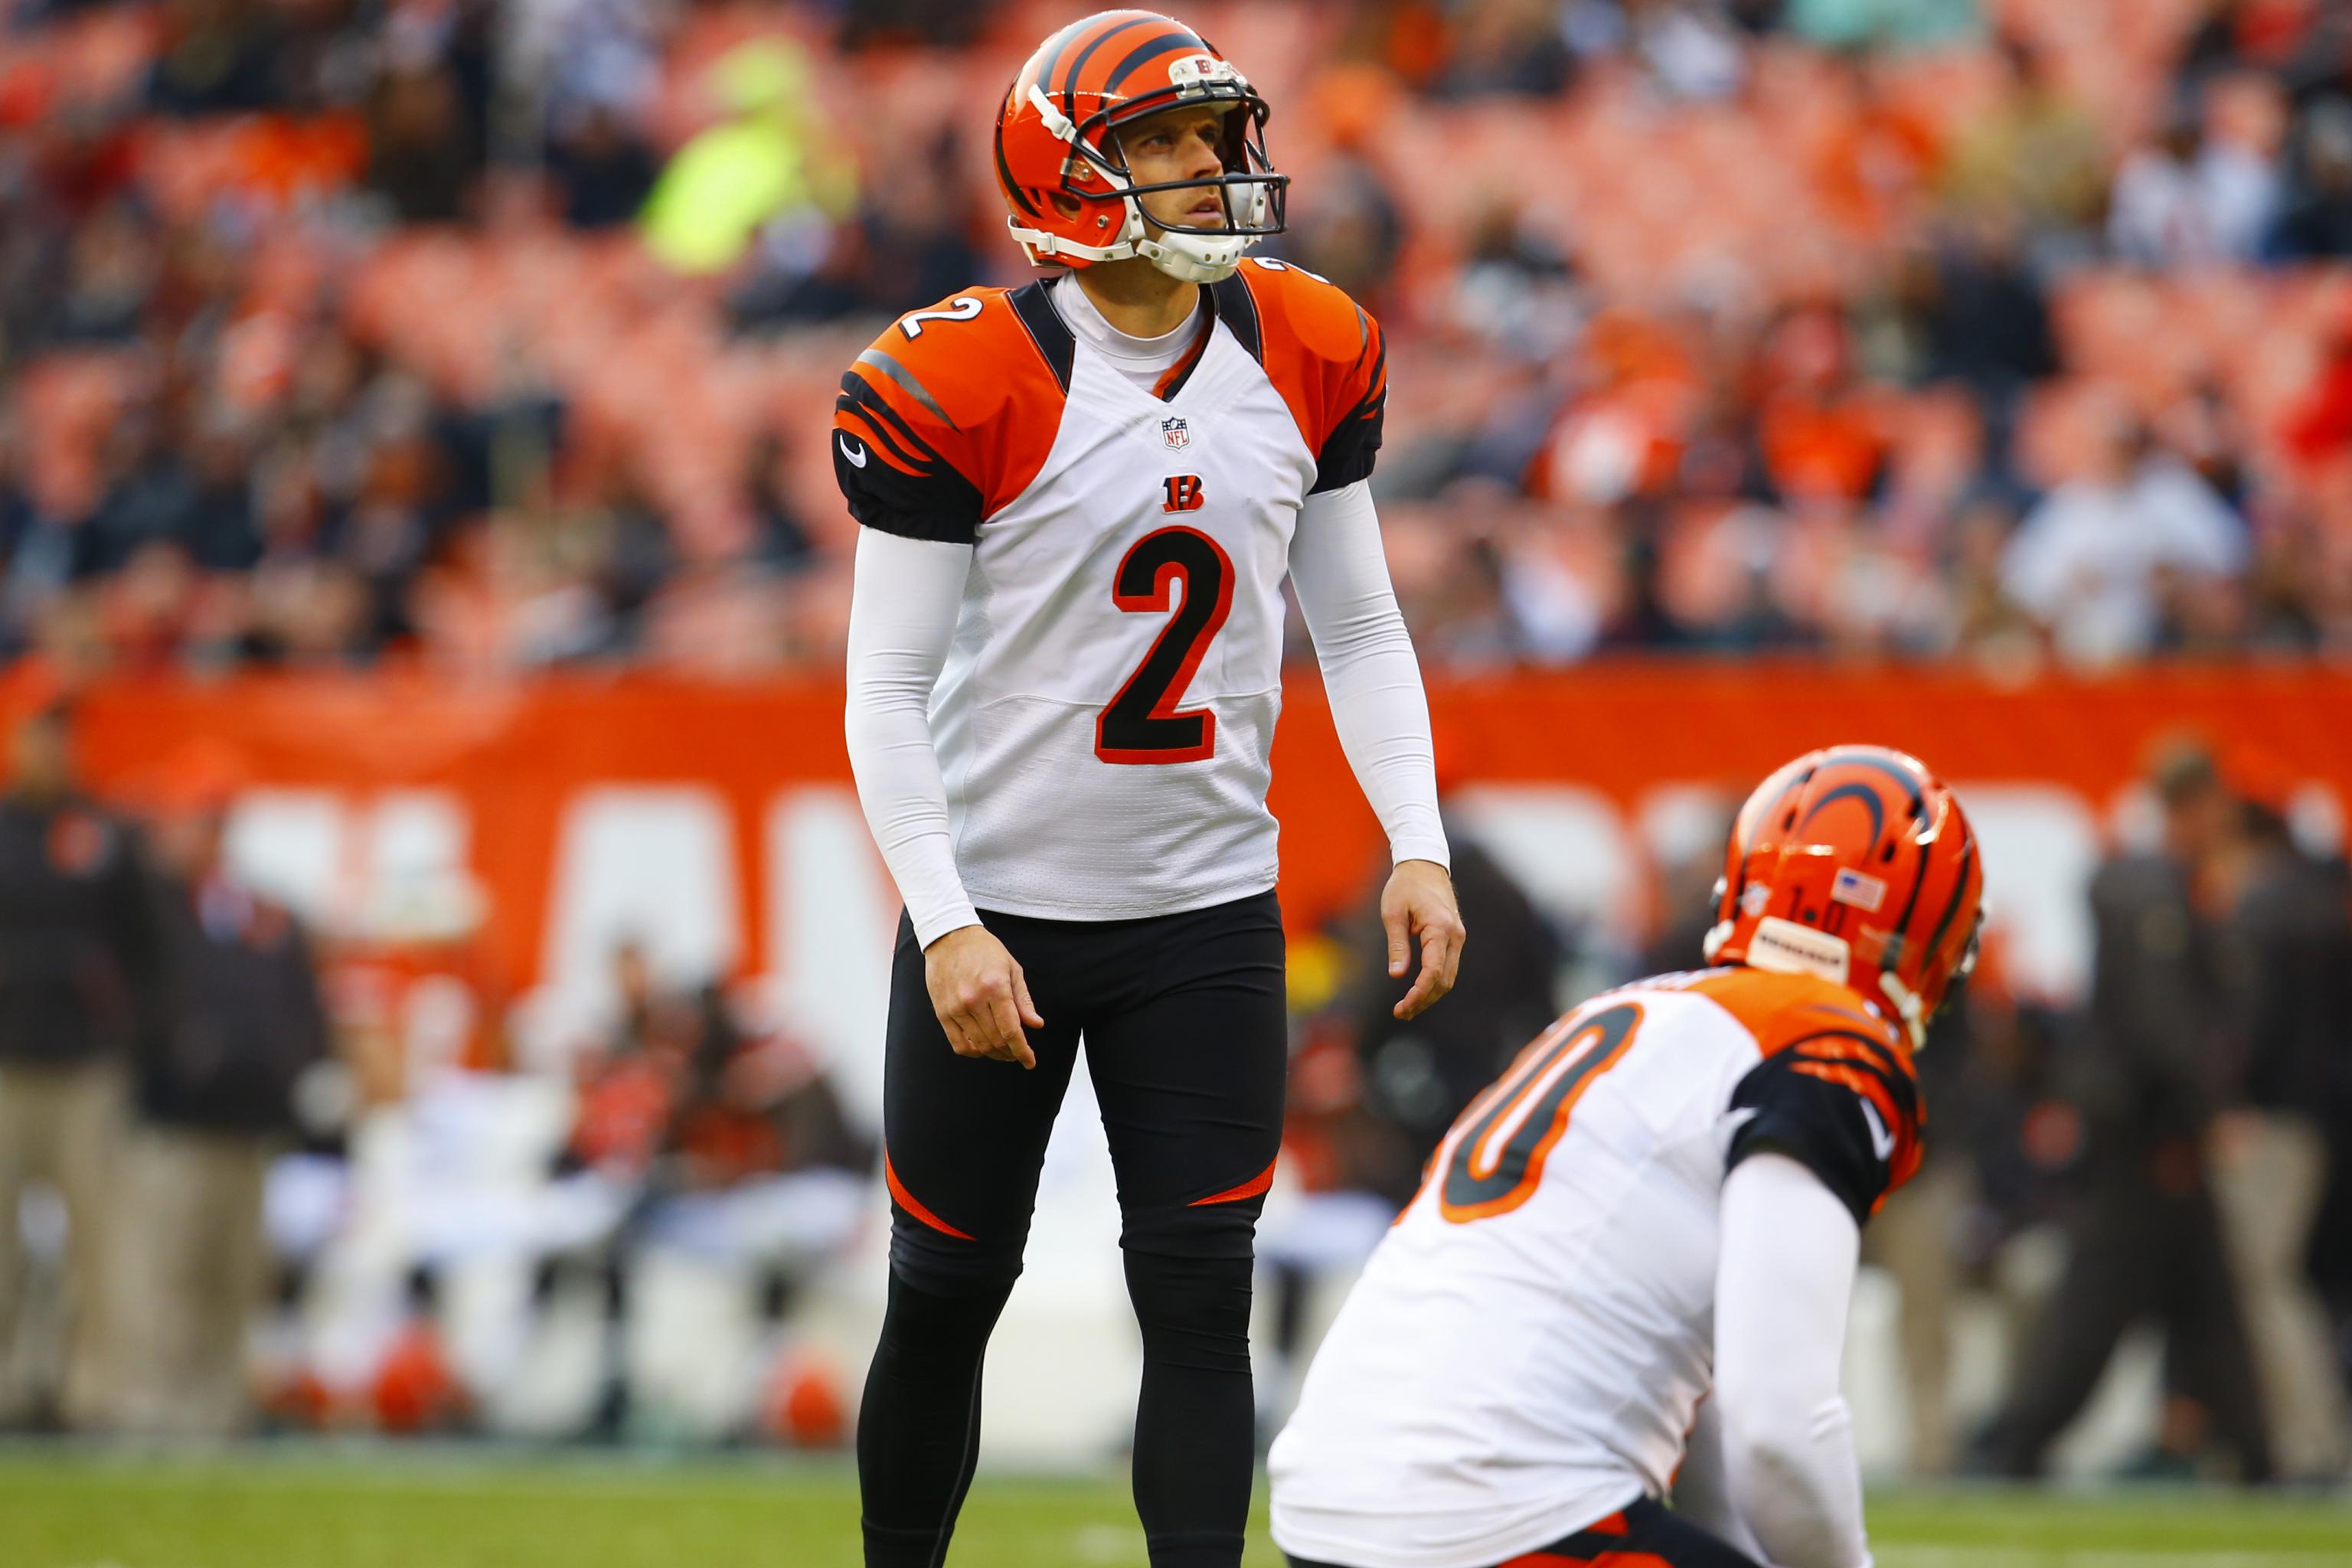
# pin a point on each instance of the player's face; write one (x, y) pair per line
(1183, 143)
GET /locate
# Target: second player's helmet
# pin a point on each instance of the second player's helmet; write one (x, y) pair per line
(1857, 864)
(1058, 136)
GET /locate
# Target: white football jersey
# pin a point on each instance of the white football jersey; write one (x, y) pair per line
(1105, 719)
(1524, 1352)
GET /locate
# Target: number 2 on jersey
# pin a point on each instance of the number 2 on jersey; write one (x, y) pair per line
(962, 308)
(1499, 1148)
(1142, 726)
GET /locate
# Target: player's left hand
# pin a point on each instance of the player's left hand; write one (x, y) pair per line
(1419, 903)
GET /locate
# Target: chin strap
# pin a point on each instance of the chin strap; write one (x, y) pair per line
(1906, 1002)
(1716, 935)
(1209, 264)
(1044, 246)
(1215, 261)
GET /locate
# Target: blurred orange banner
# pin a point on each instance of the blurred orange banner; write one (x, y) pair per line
(516, 755)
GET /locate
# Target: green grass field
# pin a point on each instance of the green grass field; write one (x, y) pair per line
(451, 1508)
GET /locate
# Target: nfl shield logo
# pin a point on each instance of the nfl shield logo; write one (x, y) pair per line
(1176, 433)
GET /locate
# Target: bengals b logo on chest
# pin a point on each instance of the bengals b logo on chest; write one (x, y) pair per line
(1184, 493)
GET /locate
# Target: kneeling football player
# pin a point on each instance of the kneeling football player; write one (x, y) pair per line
(1629, 1267)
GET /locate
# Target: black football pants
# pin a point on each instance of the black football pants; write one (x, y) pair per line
(1185, 1026)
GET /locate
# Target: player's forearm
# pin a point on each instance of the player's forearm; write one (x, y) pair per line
(1784, 1279)
(902, 616)
(1378, 702)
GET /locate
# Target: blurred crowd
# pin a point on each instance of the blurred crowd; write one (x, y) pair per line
(339, 331)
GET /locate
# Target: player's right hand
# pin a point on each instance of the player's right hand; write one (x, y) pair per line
(981, 995)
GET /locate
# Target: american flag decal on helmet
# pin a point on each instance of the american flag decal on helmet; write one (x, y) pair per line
(1863, 892)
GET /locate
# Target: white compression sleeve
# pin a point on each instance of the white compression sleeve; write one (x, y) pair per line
(902, 618)
(1784, 1279)
(1703, 1489)
(1341, 574)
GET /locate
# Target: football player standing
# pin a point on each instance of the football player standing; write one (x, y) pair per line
(1629, 1268)
(1080, 500)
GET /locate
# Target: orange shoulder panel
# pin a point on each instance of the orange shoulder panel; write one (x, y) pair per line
(1322, 351)
(963, 381)
(1786, 1011)
(1781, 1009)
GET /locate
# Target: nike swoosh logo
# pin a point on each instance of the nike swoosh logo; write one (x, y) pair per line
(856, 455)
(1881, 1139)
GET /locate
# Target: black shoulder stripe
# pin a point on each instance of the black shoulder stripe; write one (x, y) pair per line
(1375, 394)
(1046, 330)
(872, 429)
(857, 395)
(1144, 53)
(1070, 77)
(1237, 307)
(878, 431)
(1899, 1085)
(1880, 1052)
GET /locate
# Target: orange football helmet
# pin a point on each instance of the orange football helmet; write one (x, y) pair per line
(1057, 135)
(1856, 864)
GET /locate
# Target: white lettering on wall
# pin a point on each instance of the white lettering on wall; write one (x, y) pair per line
(652, 866)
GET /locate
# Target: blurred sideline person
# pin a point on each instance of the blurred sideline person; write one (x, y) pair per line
(1918, 1241)
(1079, 501)
(2146, 1242)
(1921, 1237)
(1420, 1072)
(216, 1076)
(77, 966)
(1628, 1273)
(2288, 960)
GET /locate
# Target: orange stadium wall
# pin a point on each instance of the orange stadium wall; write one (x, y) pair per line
(515, 761)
